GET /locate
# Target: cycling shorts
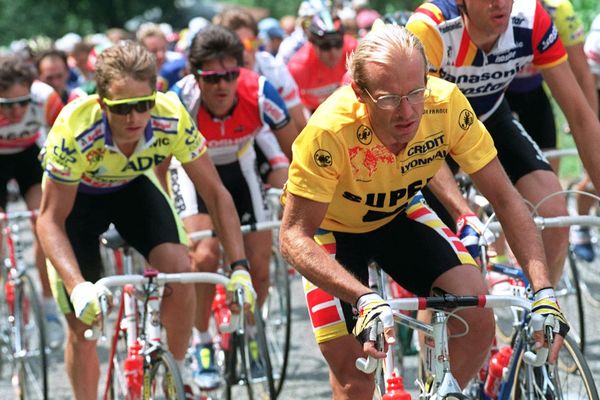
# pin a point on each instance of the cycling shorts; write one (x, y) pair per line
(414, 249)
(517, 152)
(535, 113)
(141, 212)
(269, 156)
(24, 167)
(241, 180)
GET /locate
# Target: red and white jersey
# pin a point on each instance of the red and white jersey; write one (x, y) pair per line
(33, 127)
(229, 138)
(531, 37)
(316, 80)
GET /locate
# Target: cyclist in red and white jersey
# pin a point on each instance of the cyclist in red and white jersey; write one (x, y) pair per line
(272, 163)
(482, 46)
(53, 69)
(28, 109)
(320, 65)
(230, 104)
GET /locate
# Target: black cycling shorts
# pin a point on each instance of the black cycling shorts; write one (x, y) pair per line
(140, 211)
(517, 152)
(535, 114)
(24, 167)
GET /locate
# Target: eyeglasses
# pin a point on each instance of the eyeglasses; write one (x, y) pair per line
(251, 44)
(391, 101)
(125, 106)
(328, 44)
(10, 102)
(214, 77)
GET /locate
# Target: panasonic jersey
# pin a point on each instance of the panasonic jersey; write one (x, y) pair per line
(531, 37)
(228, 138)
(32, 128)
(80, 149)
(571, 32)
(339, 160)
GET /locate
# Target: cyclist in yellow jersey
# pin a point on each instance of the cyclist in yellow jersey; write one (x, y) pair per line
(353, 197)
(98, 160)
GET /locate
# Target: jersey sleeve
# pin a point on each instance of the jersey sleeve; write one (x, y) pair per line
(316, 164)
(61, 156)
(273, 110)
(548, 49)
(471, 145)
(190, 143)
(52, 107)
(424, 24)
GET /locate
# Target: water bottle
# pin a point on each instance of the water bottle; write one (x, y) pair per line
(497, 365)
(395, 389)
(9, 290)
(222, 314)
(133, 367)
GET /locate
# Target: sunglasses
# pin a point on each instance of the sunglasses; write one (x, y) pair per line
(10, 102)
(326, 45)
(125, 106)
(214, 77)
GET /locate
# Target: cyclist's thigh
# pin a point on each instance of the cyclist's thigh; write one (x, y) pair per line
(418, 248)
(535, 114)
(517, 151)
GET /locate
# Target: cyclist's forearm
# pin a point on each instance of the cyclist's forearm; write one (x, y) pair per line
(227, 225)
(58, 250)
(446, 190)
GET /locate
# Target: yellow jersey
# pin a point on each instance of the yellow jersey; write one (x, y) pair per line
(339, 160)
(80, 150)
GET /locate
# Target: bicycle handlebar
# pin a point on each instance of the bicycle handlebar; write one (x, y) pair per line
(556, 222)
(259, 226)
(18, 215)
(162, 278)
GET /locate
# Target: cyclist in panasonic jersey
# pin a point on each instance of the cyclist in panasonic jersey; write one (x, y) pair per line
(320, 65)
(482, 46)
(272, 163)
(98, 162)
(230, 104)
(354, 184)
(27, 110)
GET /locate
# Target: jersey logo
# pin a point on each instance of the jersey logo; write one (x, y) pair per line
(465, 119)
(549, 39)
(364, 134)
(364, 161)
(323, 158)
(64, 153)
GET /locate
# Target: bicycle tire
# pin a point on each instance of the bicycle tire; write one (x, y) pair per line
(236, 368)
(574, 377)
(163, 378)
(277, 315)
(572, 303)
(29, 346)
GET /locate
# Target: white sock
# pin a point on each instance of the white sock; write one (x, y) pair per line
(201, 337)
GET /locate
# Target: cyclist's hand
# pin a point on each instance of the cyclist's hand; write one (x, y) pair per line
(545, 304)
(84, 298)
(241, 278)
(469, 228)
(371, 307)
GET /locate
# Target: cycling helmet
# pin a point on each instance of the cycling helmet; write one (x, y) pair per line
(323, 24)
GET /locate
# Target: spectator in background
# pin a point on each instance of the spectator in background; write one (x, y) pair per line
(53, 69)
(320, 65)
(364, 20)
(271, 35)
(78, 61)
(171, 65)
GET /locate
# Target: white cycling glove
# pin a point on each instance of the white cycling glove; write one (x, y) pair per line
(241, 278)
(84, 298)
(370, 307)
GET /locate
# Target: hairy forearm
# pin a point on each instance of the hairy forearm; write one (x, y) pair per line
(524, 239)
(58, 250)
(322, 270)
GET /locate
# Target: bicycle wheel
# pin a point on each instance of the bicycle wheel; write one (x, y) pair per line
(276, 313)
(569, 378)
(162, 379)
(29, 346)
(568, 293)
(249, 364)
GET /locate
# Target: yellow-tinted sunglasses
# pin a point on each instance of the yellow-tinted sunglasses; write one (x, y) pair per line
(125, 106)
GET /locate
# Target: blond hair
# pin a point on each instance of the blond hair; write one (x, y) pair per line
(386, 44)
(126, 59)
